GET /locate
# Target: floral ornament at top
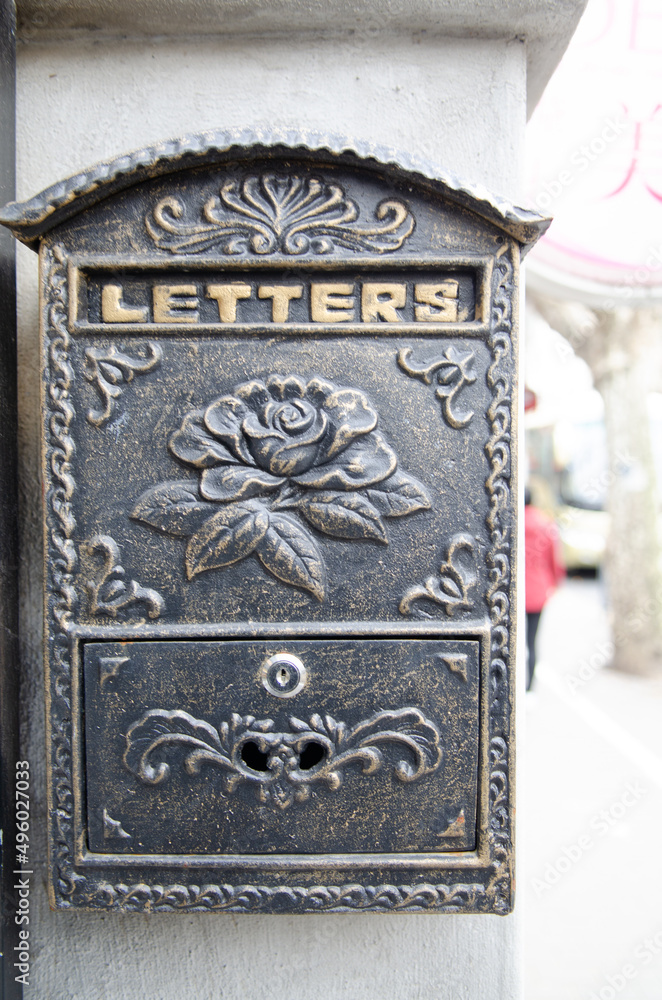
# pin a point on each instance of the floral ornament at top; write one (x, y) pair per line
(272, 457)
(270, 213)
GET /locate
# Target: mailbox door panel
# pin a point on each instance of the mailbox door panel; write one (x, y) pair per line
(191, 749)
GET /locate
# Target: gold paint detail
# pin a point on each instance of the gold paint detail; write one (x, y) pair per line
(111, 593)
(281, 296)
(457, 576)
(331, 302)
(457, 828)
(227, 297)
(109, 667)
(456, 663)
(275, 459)
(381, 301)
(453, 371)
(282, 766)
(175, 304)
(272, 213)
(113, 828)
(107, 367)
(439, 302)
(113, 309)
(358, 300)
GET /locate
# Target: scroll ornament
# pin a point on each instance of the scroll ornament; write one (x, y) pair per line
(272, 457)
(451, 588)
(452, 372)
(110, 593)
(108, 367)
(272, 213)
(282, 766)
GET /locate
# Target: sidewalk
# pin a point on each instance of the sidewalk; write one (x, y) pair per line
(590, 798)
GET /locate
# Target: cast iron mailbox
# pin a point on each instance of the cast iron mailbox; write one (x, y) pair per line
(279, 463)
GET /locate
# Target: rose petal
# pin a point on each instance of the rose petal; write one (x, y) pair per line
(288, 387)
(255, 394)
(254, 427)
(233, 482)
(193, 443)
(351, 415)
(366, 461)
(291, 459)
(317, 390)
(299, 419)
(263, 442)
(223, 418)
(281, 449)
(276, 453)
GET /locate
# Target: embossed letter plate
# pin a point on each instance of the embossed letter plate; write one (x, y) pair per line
(280, 530)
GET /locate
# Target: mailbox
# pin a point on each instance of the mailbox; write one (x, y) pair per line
(279, 445)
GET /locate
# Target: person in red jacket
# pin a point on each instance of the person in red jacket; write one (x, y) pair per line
(544, 572)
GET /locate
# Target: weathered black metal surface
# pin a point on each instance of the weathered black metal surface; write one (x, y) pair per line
(280, 516)
(291, 769)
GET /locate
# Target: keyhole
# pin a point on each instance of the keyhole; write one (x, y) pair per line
(283, 675)
(310, 756)
(253, 757)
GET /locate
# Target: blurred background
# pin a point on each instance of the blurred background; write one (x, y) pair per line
(591, 773)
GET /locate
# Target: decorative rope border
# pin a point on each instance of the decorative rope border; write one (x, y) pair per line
(498, 559)
(273, 899)
(61, 552)
(75, 888)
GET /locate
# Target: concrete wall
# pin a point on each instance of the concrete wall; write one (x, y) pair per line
(458, 102)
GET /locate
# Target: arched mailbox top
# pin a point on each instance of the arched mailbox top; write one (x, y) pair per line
(31, 220)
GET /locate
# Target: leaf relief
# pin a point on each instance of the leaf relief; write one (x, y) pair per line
(229, 535)
(343, 515)
(292, 555)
